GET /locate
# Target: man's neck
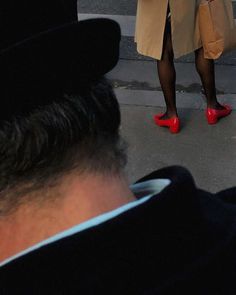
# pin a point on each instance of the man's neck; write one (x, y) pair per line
(77, 199)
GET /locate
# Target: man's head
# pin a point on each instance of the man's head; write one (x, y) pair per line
(57, 113)
(80, 133)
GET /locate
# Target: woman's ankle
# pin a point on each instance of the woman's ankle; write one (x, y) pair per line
(215, 105)
(171, 113)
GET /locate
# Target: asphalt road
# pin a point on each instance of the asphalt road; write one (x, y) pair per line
(120, 7)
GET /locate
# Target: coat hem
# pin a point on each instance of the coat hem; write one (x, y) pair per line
(153, 55)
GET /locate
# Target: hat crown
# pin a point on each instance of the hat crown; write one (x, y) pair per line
(20, 20)
(46, 53)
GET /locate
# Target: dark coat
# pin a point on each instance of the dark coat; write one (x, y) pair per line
(182, 241)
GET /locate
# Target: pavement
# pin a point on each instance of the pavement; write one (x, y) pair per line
(208, 151)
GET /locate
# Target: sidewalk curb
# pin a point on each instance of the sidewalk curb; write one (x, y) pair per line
(147, 98)
(143, 75)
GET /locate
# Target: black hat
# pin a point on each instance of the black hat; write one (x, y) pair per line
(45, 52)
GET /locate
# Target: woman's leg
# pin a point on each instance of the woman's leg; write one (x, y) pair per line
(167, 74)
(206, 70)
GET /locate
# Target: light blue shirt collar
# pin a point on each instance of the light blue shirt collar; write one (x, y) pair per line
(145, 189)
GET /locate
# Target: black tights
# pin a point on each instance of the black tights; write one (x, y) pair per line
(167, 76)
(206, 70)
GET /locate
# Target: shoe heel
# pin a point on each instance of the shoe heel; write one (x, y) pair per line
(212, 120)
(175, 128)
(173, 123)
(213, 115)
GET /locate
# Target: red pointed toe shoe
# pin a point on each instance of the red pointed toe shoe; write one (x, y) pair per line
(213, 115)
(172, 123)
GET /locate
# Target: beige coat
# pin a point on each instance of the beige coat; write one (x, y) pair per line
(150, 25)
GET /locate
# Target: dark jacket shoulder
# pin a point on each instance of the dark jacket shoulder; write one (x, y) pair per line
(181, 240)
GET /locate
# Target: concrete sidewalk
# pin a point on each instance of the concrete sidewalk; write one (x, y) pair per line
(209, 152)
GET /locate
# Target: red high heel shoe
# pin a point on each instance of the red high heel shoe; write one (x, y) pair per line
(213, 115)
(172, 123)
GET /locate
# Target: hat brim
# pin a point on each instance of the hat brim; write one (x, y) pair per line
(56, 61)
